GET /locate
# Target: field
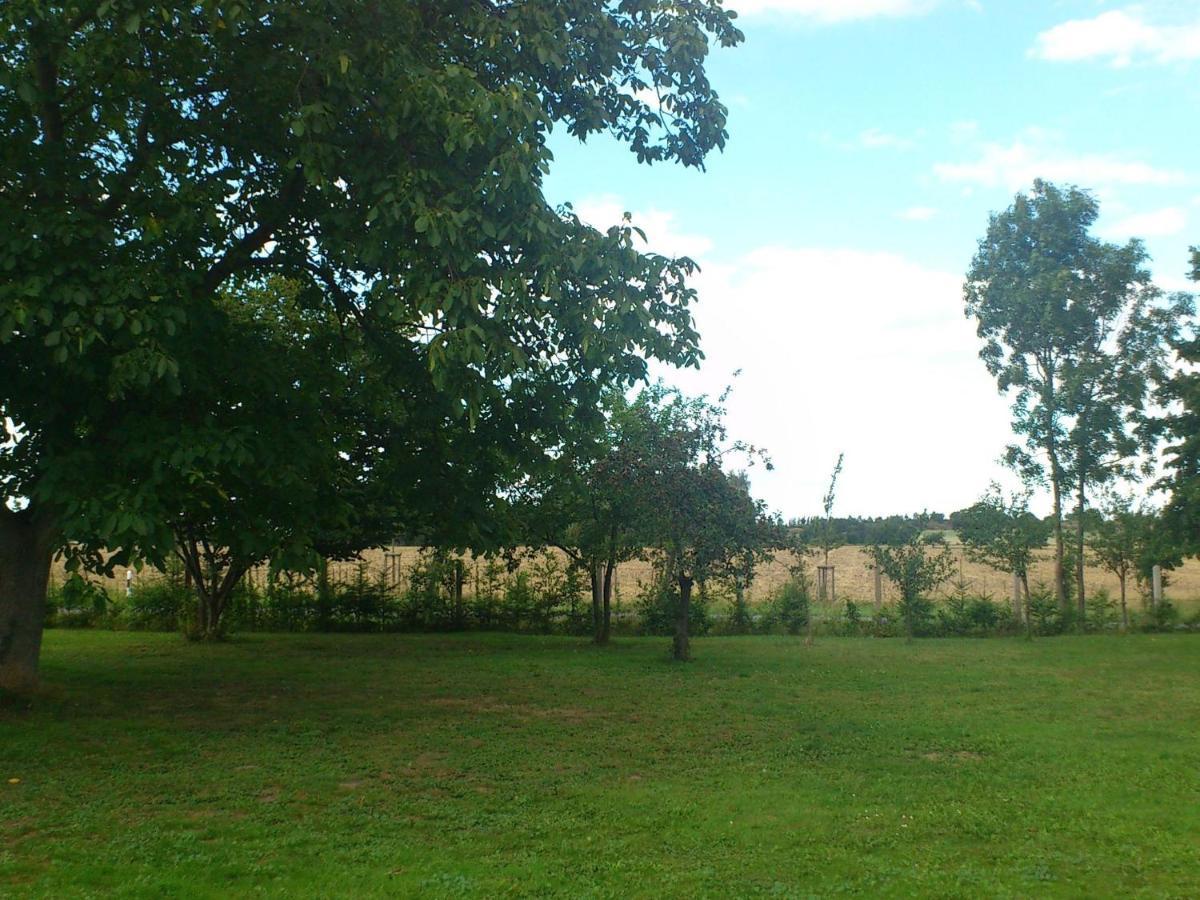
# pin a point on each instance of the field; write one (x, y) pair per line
(483, 766)
(854, 578)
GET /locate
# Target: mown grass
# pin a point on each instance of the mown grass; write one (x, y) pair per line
(486, 766)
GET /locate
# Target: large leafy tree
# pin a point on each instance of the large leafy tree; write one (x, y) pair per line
(1074, 329)
(388, 154)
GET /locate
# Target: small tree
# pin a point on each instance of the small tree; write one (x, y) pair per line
(829, 536)
(1118, 542)
(1000, 531)
(700, 520)
(915, 568)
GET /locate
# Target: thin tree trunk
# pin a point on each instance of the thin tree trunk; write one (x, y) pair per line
(26, 550)
(682, 647)
(1060, 580)
(1056, 479)
(1080, 535)
(1124, 609)
(1028, 613)
(606, 612)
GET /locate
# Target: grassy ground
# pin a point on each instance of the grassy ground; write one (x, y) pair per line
(492, 765)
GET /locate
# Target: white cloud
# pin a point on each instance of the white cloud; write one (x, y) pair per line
(875, 139)
(1159, 223)
(1120, 37)
(918, 214)
(829, 12)
(841, 349)
(1016, 165)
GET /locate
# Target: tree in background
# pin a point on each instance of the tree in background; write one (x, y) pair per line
(1122, 541)
(1181, 392)
(1110, 385)
(585, 501)
(915, 567)
(1000, 531)
(1074, 328)
(388, 157)
(828, 536)
(701, 521)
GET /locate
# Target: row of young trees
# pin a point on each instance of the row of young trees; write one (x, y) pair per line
(281, 281)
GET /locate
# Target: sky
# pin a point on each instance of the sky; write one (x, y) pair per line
(869, 141)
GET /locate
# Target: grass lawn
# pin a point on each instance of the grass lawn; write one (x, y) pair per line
(496, 765)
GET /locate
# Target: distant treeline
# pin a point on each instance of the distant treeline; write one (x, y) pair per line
(863, 531)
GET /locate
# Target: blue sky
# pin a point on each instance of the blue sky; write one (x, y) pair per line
(869, 140)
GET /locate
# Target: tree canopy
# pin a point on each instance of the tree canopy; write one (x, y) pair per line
(387, 158)
(1074, 328)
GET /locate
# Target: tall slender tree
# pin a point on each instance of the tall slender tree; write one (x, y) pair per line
(1074, 329)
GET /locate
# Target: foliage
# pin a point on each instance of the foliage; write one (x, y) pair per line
(863, 531)
(1001, 532)
(78, 602)
(656, 607)
(915, 569)
(700, 522)
(1074, 329)
(1182, 391)
(386, 159)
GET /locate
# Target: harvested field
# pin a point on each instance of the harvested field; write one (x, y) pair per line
(854, 578)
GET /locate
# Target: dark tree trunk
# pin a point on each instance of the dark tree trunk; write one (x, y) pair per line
(26, 549)
(596, 574)
(1124, 609)
(606, 612)
(214, 586)
(682, 648)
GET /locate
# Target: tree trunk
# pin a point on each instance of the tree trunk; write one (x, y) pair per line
(606, 613)
(596, 574)
(1060, 578)
(26, 549)
(1080, 535)
(1028, 613)
(214, 588)
(682, 648)
(1124, 610)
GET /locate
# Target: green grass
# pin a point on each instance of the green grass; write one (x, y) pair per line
(485, 766)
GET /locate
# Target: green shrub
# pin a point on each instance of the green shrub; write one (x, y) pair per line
(158, 603)
(1102, 612)
(789, 606)
(78, 603)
